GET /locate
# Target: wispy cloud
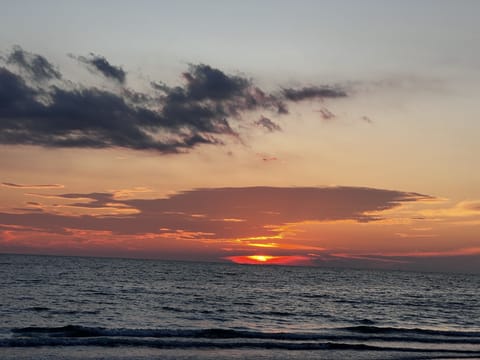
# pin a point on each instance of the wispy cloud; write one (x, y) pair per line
(32, 186)
(98, 64)
(268, 124)
(326, 114)
(129, 193)
(312, 92)
(266, 157)
(366, 119)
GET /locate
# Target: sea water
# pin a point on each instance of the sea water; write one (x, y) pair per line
(88, 308)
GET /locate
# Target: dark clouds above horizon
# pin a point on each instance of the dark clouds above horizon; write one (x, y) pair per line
(38, 106)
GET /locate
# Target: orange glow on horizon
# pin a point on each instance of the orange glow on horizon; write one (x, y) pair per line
(270, 260)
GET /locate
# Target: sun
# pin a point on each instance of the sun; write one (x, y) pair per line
(261, 258)
(271, 260)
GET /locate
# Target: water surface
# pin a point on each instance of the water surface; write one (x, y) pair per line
(57, 307)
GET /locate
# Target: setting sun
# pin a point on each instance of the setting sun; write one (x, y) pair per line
(261, 258)
(271, 260)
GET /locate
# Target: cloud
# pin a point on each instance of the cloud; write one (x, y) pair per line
(263, 210)
(268, 124)
(205, 82)
(35, 65)
(210, 223)
(17, 99)
(374, 258)
(462, 260)
(471, 205)
(463, 209)
(266, 157)
(88, 118)
(99, 64)
(326, 114)
(311, 92)
(29, 186)
(366, 119)
(129, 193)
(211, 99)
(209, 107)
(443, 253)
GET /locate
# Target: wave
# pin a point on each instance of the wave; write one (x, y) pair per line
(364, 329)
(61, 312)
(38, 308)
(357, 333)
(182, 344)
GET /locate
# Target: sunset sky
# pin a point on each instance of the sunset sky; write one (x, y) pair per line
(328, 133)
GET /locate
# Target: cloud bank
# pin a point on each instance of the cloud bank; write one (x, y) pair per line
(38, 106)
(243, 225)
(223, 213)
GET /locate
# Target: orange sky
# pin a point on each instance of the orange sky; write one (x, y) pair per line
(326, 226)
(313, 136)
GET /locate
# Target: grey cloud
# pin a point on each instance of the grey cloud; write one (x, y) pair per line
(282, 109)
(87, 117)
(306, 93)
(35, 65)
(268, 124)
(101, 65)
(207, 107)
(17, 99)
(326, 114)
(205, 82)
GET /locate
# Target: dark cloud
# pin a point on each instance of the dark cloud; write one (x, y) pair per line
(326, 114)
(268, 124)
(92, 118)
(80, 118)
(94, 200)
(209, 106)
(99, 64)
(282, 109)
(31, 186)
(210, 99)
(221, 212)
(278, 205)
(17, 100)
(306, 93)
(205, 82)
(35, 65)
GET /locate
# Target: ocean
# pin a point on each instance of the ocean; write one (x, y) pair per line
(54, 307)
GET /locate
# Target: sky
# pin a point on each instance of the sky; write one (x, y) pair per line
(317, 133)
